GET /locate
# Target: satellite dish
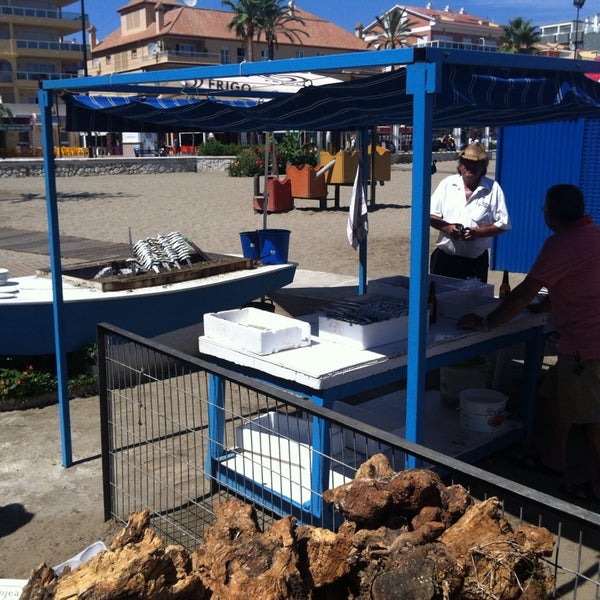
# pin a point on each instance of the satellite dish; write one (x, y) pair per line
(190, 3)
(152, 48)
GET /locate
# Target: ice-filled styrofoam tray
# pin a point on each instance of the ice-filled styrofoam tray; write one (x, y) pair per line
(365, 322)
(363, 336)
(255, 330)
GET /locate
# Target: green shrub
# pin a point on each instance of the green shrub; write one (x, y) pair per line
(215, 148)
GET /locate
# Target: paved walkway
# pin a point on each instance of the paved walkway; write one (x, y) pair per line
(23, 251)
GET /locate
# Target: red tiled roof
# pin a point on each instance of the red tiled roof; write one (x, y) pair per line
(189, 22)
(461, 19)
(451, 15)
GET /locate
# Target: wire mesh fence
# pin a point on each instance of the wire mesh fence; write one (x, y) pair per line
(179, 435)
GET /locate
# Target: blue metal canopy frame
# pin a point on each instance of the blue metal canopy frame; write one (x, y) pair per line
(424, 86)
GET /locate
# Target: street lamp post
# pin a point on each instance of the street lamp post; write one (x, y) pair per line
(578, 4)
(88, 137)
(84, 40)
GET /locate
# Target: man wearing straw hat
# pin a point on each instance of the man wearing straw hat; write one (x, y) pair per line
(468, 210)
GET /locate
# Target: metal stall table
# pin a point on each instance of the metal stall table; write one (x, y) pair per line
(327, 372)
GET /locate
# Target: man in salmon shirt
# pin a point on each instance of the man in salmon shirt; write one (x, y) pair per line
(568, 265)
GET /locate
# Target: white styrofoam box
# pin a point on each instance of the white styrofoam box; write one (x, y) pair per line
(387, 413)
(256, 330)
(395, 281)
(363, 336)
(275, 450)
(282, 437)
(398, 286)
(454, 307)
(12, 588)
(388, 288)
(449, 282)
(467, 287)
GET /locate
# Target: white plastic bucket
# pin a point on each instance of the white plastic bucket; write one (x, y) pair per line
(471, 373)
(482, 409)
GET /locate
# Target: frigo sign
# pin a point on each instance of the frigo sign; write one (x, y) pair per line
(220, 84)
(286, 82)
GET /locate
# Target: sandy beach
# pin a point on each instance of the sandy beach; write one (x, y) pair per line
(48, 513)
(211, 209)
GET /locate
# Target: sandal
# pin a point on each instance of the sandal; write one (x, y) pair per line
(579, 491)
(533, 463)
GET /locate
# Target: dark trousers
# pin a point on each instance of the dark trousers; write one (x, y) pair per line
(460, 267)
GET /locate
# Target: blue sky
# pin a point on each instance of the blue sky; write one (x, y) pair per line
(347, 13)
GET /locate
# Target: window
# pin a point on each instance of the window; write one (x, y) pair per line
(40, 68)
(133, 20)
(134, 53)
(5, 71)
(108, 59)
(299, 53)
(241, 55)
(225, 57)
(185, 49)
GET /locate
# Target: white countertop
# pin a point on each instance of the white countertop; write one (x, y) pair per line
(326, 364)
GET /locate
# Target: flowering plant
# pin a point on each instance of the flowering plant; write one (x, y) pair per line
(15, 383)
(20, 380)
(249, 162)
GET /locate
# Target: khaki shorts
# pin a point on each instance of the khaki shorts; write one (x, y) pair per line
(578, 386)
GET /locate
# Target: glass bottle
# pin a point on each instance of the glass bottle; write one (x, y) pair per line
(504, 286)
(432, 303)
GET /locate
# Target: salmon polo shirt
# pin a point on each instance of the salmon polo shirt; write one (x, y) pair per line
(569, 266)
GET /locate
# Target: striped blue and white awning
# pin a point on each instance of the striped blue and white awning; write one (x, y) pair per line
(470, 96)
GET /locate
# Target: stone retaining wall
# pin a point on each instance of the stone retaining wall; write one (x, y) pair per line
(87, 167)
(118, 165)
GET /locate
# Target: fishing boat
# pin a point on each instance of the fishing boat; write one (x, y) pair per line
(149, 305)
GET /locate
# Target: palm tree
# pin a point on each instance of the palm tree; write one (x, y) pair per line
(277, 18)
(519, 36)
(255, 17)
(395, 27)
(246, 22)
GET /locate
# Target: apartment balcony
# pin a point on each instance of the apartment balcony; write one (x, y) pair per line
(65, 22)
(58, 50)
(485, 47)
(179, 58)
(26, 76)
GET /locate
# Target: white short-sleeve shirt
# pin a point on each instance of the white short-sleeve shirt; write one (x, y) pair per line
(487, 206)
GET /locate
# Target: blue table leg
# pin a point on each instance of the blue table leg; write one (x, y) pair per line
(534, 348)
(320, 462)
(216, 422)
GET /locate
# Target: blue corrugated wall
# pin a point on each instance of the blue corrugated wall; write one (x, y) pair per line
(530, 159)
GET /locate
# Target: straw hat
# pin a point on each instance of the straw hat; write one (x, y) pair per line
(475, 152)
